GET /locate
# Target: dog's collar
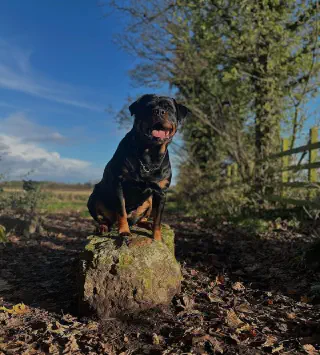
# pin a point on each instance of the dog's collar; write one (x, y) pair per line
(144, 168)
(150, 170)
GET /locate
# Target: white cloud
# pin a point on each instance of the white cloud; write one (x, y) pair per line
(19, 159)
(20, 126)
(21, 154)
(17, 73)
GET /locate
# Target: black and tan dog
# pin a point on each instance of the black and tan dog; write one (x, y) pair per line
(135, 180)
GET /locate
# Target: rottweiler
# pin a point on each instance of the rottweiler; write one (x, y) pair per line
(134, 183)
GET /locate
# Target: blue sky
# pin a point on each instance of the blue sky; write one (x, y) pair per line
(60, 70)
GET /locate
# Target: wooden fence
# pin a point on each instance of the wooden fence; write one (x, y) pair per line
(285, 173)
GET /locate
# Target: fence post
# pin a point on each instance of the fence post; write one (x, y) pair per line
(285, 164)
(285, 160)
(312, 176)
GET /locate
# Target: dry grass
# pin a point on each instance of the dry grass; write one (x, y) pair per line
(60, 200)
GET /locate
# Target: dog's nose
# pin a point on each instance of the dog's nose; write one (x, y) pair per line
(159, 112)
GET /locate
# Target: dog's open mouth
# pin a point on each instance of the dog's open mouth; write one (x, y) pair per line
(161, 131)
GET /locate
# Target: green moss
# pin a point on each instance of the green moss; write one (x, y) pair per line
(127, 273)
(146, 277)
(94, 241)
(125, 260)
(168, 237)
(105, 250)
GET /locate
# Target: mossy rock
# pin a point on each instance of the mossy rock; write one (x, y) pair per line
(127, 274)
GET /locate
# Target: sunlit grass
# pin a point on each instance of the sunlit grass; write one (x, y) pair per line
(58, 201)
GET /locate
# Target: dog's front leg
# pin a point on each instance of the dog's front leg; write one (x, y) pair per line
(122, 217)
(159, 200)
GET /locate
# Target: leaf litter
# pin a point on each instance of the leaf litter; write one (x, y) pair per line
(239, 295)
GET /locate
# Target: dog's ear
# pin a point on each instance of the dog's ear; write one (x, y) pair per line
(135, 106)
(182, 111)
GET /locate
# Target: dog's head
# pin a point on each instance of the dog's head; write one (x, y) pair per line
(157, 118)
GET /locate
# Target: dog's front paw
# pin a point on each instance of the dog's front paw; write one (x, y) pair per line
(157, 235)
(102, 229)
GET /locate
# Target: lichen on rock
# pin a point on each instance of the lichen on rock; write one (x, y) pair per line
(127, 274)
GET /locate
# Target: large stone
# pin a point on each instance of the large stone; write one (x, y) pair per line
(126, 275)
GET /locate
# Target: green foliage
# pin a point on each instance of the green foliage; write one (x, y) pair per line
(29, 185)
(25, 203)
(245, 69)
(254, 225)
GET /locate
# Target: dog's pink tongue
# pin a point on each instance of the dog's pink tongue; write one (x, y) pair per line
(159, 134)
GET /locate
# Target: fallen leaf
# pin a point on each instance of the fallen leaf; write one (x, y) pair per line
(19, 308)
(232, 319)
(244, 308)
(244, 328)
(155, 339)
(253, 332)
(215, 299)
(238, 286)
(270, 341)
(57, 328)
(310, 349)
(217, 346)
(280, 347)
(53, 349)
(71, 347)
(291, 315)
(219, 280)
(61, 236)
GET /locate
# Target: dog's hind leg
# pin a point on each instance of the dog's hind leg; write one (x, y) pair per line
(122, 216)
(142, 215)
(104, 217)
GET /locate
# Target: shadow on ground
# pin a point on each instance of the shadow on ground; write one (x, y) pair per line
(239, 291)
(40, 270)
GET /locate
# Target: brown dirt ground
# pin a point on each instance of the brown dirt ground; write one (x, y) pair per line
(241, 294)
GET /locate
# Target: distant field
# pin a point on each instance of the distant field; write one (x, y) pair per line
(59, 200)
(47, 185)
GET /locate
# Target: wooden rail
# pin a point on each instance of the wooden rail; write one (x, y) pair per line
(309, 153)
